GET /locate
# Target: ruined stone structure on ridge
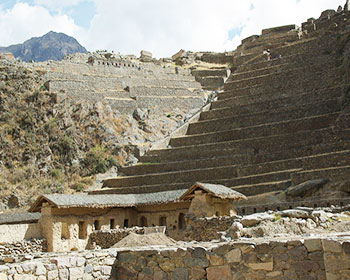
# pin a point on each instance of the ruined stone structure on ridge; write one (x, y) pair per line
(123, 82)
(279, 123)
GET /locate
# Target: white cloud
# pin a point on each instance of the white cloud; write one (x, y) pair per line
(165, 26)
(270, 13)
(160, 26)
(58, 5)
(24, 21)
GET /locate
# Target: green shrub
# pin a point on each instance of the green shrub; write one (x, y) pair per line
(277, 217)
(65, 146)
(56, 173)
(98, 160)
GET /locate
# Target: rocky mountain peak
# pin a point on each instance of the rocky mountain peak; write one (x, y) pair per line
(51, 46)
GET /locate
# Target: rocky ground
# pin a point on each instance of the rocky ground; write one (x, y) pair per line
(301, 221)
(59, 146)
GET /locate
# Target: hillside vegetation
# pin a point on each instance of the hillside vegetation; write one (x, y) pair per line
(57, 146)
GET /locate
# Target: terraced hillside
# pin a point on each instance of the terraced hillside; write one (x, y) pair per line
(123, 83)
(277, 124)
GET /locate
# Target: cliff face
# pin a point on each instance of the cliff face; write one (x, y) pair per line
(51, 46)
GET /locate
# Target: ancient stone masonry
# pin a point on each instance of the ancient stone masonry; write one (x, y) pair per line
(107, 238)
(19, 250)
(275, 126)
(312, 258)
(123, 82)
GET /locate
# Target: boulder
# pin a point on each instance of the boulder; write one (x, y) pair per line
(235, 230)
(303, 188)
(146, 56)
(254, 219)
(327, 14)
(179, 54)
(140, 114)
(294, 213)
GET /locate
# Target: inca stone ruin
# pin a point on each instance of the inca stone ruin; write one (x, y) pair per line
(252, 184)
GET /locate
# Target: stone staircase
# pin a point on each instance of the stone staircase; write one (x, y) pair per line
(272, 127)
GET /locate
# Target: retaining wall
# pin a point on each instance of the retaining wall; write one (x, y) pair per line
(313, 258)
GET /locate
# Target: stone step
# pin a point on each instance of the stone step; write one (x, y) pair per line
(144, 168)
(209, 151)
(290, 62)
(276, 40)
(118, 74)
(278, 96)
(254, 188)
(228, 120)
(306, 47)
(229, 182)
(202, 174)
(277, 99)
(275, 106)
(260, 188)
(251, 159)
(159, 91)
(211, 83)
(276, 176)
(184, 102)
(288, 76)
(211, 73)
(247, 190)
(308, 162)
(144, 189)
(326, 160)
(338, 173)
(255, 48)
(289, 86)
(301, 56)
(264, 130)
(267, 167)
(302, 151)
(250, 147)
(338, 158)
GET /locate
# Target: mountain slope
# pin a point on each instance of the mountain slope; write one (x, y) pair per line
(51, 46)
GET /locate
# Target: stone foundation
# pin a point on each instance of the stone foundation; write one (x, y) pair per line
(312, 258)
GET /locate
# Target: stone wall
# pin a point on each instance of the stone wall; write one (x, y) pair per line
(14, 252)
(124, 87)
(84, 265)
(107, 238)
(243, 260)
(19, 232)
(213, 226)
(336, 259)
(274, 259)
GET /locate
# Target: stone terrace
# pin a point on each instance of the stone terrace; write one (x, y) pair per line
(272, 127)
(125, 85)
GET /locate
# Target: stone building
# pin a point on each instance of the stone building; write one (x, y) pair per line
(6, 56)
(68, 220)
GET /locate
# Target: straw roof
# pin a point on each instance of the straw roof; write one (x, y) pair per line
(19, 218)
(106, 201)
(219, 191)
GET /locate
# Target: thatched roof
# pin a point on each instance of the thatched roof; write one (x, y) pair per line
(219, 191)
(19, 218)
(105, 200)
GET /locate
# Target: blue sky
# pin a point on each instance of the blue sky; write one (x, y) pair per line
(160, 26)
